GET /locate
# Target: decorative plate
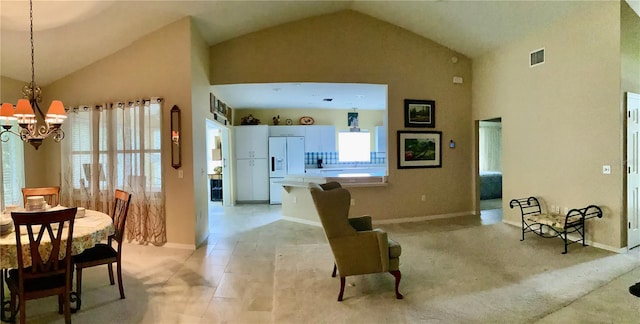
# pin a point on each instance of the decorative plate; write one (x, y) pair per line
(306, 120)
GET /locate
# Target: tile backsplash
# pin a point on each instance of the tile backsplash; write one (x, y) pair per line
(329, 158)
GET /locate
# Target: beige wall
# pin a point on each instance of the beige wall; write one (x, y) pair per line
(10, 89)
(158, 64)
(197, 145)
(367, 119)
(352, 47)
(561, 121)
(630, 48)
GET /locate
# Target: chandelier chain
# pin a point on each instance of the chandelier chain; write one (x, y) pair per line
(33, 69)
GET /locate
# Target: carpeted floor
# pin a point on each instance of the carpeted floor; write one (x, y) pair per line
(471, 275)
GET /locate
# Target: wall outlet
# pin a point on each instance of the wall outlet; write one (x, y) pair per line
(606, 169)
(423, 198)
(180, 174)
(353, 202)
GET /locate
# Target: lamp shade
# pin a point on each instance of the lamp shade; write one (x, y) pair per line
(6, 112)
(56, 111)
(24, 109)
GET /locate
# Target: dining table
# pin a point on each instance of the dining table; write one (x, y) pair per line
(93, 227)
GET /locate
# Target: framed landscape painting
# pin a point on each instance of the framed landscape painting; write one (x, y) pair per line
(419, 113)
(418, 149)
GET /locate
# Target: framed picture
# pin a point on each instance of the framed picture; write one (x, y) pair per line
(419, 113)
(352, 118)
(212, 103)
(222, 108)
(419, 149)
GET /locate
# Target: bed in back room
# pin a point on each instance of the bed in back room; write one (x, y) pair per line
(490, 185)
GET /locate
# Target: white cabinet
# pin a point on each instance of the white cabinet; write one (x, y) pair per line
(381, 139)
(286, 131)
(251, 141)
(320, 138)
(252, 180)
(252, 171)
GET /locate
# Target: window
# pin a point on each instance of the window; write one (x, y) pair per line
(11, 171)
(354, 147)
(124, 148)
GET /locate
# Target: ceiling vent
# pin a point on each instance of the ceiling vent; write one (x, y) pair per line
(536, 57)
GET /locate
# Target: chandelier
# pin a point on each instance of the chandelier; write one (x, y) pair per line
(29, 129)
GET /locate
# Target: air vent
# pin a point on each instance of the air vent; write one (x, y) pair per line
(327, 99)
(536, 57)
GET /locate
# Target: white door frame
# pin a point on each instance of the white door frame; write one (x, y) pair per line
(633, 169)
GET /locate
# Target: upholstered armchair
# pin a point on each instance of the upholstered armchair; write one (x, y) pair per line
(357, 248)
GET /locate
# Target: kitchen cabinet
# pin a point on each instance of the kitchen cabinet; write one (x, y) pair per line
(252, 180)
(251, 141)
(281, 131)
(252, 173)
(320, 138)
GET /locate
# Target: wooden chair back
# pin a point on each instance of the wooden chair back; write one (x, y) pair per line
(51, 194)
(119, 216)
(33, 226)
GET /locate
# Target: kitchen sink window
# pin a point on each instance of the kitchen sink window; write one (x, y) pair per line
(354, 147)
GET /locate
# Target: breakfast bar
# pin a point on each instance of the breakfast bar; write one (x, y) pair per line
(297, 204)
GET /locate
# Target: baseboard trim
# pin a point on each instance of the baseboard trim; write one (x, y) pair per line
(302, 221)
(421, 218)
(575, 238)
(180, 246)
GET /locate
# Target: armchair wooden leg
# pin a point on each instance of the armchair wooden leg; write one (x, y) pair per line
(341, 288)
(398, 276)
(335, 268)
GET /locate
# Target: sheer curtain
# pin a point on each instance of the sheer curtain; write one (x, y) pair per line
(11, 170)
(117, 145)
(490, 141)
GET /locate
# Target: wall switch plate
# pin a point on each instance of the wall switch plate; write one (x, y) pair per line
(180, 174)
(606, 169)
(353, 202)
(423, 198)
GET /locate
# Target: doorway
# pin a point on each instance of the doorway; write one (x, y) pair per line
(490, 170)
(218, 164)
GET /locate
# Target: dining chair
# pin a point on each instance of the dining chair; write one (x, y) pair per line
(103, 253)
(48, 275)
(51, 194)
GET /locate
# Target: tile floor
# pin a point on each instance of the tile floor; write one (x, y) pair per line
(229, 280)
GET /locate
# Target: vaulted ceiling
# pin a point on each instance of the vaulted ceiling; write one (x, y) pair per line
(70, 35)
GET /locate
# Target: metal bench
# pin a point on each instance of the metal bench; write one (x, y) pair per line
(552, 225)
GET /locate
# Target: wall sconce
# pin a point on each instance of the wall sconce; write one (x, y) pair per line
(176, 155)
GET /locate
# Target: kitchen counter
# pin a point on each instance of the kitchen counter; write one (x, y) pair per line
(297, 204)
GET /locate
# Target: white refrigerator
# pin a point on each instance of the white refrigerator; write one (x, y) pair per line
(286, 156)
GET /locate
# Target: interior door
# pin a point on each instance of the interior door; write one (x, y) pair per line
(633, 172)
